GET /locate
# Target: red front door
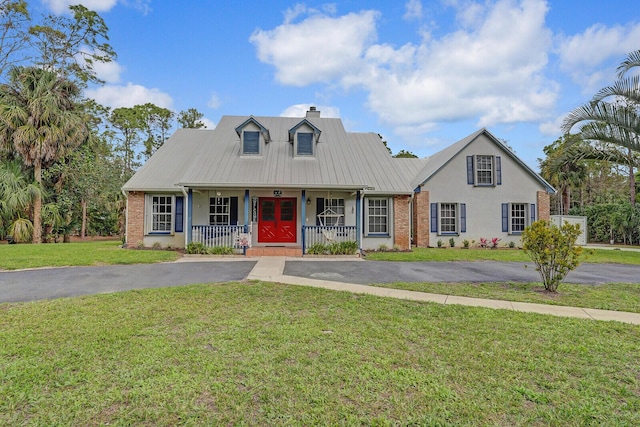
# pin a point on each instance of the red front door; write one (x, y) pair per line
(277, 220)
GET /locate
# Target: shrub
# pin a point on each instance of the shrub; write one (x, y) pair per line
(221, 250)
(465, 244)
(383, 248)
(196, 248)
(156, 245)
(512, 244)
(452, 242)
(335, 248)
(439, 243)
(553, 250)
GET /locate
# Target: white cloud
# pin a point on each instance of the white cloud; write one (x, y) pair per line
(62, 6)
(413, 10)
(490, 70)
(129, 95)
(590, 57)
(209, 124)
(214, 101)
(108, 71)
(318, 49)
(553, 127)
(300, 110)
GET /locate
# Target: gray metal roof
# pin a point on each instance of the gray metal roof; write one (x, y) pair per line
(207, 158)
(199, 158)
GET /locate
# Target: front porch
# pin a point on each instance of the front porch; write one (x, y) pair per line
(241, 238)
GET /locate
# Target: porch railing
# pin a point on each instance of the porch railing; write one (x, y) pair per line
(326, 235)
(221, 235)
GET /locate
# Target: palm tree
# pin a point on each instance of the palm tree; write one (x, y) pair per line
(39, 123)
(616, 122)
(17, 193)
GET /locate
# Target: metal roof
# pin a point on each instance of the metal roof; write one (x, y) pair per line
(212, 158)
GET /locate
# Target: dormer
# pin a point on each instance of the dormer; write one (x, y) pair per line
(304, 136)
(253, 137)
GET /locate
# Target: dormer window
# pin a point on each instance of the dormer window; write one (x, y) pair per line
(304, 146)
(304, 136)
(253, 136)
(250, 142)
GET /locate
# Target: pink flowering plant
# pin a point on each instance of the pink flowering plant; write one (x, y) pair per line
(494, 242)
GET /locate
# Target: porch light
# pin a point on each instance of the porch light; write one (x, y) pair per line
(308, 200)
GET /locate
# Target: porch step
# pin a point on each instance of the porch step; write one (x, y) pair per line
(274, 251)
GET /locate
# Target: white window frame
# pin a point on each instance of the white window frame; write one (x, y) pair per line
(336, 206)
(152, 207)
(386, 215)
(477, 170)
(222, 208)
(526, 207)
(455, 218)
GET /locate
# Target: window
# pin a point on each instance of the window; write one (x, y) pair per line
(517, 216)
(219, 211)
(305, 144)
(484, 170)
(330, 212)
(250, 142)
(378, 216)
(161, 214)
(448, 218)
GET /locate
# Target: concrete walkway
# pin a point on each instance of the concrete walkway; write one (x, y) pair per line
(272, 268)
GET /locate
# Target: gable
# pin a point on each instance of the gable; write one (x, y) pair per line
(481, 142)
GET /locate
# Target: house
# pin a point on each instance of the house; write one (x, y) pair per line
(261, 183)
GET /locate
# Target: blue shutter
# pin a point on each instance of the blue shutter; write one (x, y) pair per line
(251, 143)
(533, 212)
(233, 211)
(505, 217)
(434, 217)
(498, 170)
(179, 220)
(463, 217)
(470, 179)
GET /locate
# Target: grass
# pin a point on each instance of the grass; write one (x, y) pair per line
(611, 296)
(266, 354)
(506, 255)
(13, 257)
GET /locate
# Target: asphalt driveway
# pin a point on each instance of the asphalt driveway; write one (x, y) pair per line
(478, 271)
(38, 284)
(30, 285)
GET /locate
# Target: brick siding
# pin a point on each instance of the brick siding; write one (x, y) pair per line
(135, 218)
(544, 205)
(401, 222)
(421, 219)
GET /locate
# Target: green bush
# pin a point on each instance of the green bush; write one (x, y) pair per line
(553, 250)
(452, 242)
(335, 248)
(196, 248)
(221, 250)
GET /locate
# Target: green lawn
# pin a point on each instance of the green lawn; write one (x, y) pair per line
(13, 257)
(507, 255)
(266, 354)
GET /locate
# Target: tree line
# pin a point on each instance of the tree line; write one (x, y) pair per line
(63, 157)
(595, 168)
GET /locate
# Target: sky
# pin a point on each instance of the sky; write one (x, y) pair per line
(423, 74)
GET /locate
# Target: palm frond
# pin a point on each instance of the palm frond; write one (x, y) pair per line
(628, 89)
(632, 60)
